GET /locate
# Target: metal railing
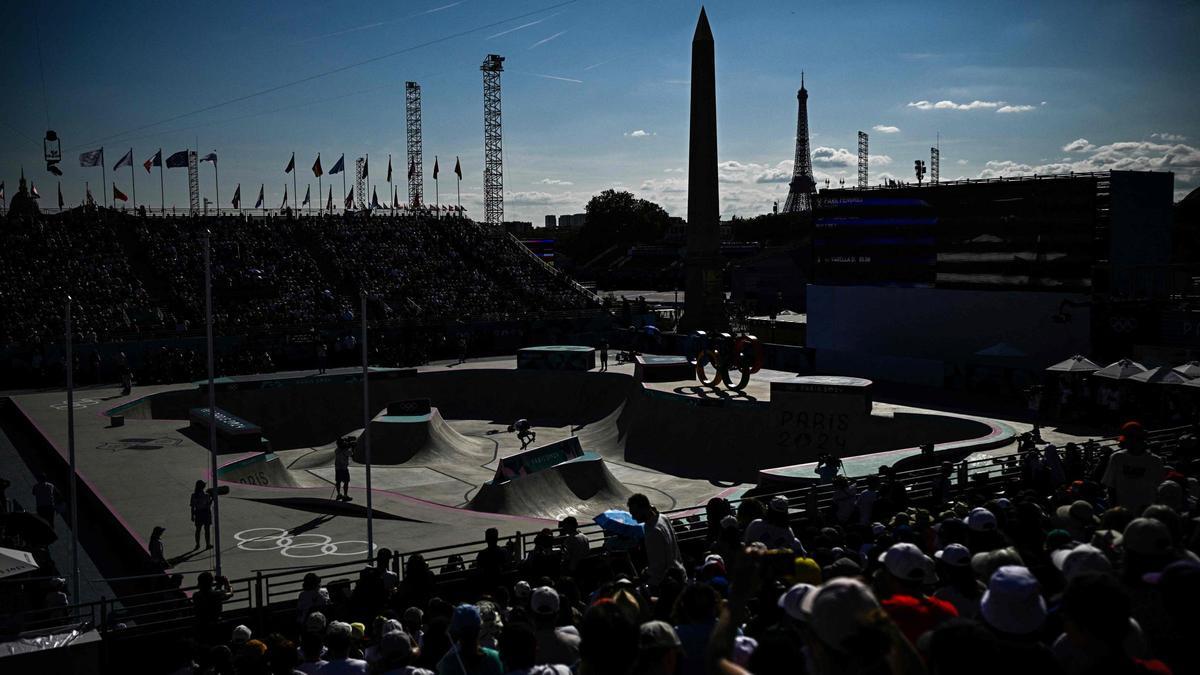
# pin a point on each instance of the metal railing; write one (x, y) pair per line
(270, 593)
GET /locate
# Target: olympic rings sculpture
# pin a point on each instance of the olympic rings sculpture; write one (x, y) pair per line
(288, 544)
(743, 354)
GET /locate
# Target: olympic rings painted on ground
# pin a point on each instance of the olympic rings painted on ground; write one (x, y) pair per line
(80, 404)
(278, 539)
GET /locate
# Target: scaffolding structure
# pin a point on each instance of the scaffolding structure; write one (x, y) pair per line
(863, 159)
(935, 160)
(416, 167)
(493, 153)
(193, 183)
(802, 187)
(360, 184)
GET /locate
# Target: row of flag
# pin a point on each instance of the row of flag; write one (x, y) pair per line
(349, 201)
(340, 166)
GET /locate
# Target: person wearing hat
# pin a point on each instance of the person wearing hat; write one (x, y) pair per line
(901, 582)
(239, 636)
(959, 587)
(1014, 609)
(396, 650)
(466, 656)
(338, 640)
(1080, 559)
(985, 564)
(412, 622)
(852, 634)
(774, 529)
(555, 643)
(1133, 472)
(1078, 518)
(659, 649)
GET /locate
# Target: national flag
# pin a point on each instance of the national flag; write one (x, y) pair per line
(92, 157)
(457, 167)
(284, 205)
(350, 198)
(127, 160)
(329, 204)
(389, 169)
(291, 164)
(1, 190)
(237, 197)
(307, 190)
(317, 172)
(178, 160)
(33, 190)
(210, 157)
(156, 160)
(60, 199)
(259, 203)
(340, 166)
(435, 167)
(375, 199)
(412, 169)
(118, 195)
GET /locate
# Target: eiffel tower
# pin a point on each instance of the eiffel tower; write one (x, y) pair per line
(802, 187)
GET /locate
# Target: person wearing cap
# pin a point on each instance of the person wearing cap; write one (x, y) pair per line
(466, 656)
(240, 636)
(1078, 518)
(958, 586)
(1097, 625)
(901, 584)
(775, 530)
(852, 634)
(338, 641)
(662, 549)
(555, 643)
(1133, 472)
(659, 649)
(396, 650)
(1080, 559)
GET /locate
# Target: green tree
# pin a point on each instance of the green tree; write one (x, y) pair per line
(618, 217)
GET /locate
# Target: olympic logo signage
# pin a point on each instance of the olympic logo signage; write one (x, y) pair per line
(309, 545)
(725, 353)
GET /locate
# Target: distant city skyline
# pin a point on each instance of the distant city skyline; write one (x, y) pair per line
(596, 94)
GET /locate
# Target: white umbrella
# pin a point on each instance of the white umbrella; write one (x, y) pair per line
(1075, 364)
(1160, 375)
(1190, 370)
(13, 562)
(1120, 370)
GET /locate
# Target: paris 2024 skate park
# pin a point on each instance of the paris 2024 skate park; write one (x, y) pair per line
(445, 464)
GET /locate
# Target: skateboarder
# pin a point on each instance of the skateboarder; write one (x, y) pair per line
(202, 513)
(341, 469)
(524, 432)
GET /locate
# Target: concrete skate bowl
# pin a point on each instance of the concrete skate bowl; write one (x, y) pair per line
(582, 487)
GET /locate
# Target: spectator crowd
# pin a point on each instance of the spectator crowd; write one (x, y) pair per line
(1060, 567)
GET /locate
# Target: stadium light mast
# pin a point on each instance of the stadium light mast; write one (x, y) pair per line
(72, 488)
(212, 402)
(493, 152)
(366, 432)
(416, 165)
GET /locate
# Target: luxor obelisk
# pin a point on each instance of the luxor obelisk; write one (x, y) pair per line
(704, 302)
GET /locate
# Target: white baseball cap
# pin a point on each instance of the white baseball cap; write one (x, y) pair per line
(792, 601)
(954, 555)
(544, 600)
(906, 561)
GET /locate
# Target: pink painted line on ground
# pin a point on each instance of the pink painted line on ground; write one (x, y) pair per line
(84, 479)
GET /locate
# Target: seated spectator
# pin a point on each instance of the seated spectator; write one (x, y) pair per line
(774, 530)
(901, 582)
(466, 656)
(339, 641)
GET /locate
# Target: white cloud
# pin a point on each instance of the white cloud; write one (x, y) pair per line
(885, 129)
(1169, 137)
(538, 198)
(640, 133)
(1078, 145)
(826, 156)
(1183, 160)
(961, 162)
(998, 106)
(677, 169)
(554, 181)
(543, 41)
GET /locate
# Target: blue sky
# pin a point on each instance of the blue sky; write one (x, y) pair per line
(596, 93)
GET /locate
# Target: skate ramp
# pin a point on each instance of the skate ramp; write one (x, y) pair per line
(263, 469)
(580, 487)
(419, 439)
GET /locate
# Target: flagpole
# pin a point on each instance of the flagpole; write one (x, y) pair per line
(366, 434)
(437, 198)
(295, 190)
(367, 164)
(132, 179)
(217, 186)
(104, 176)
(343, 182)
(71, 453)
(390, 188)
(212, 401)
(320, 190)
(162, 193)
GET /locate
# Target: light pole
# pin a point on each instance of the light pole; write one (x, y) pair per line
(366, 432)
(212, 401)
(71, 454)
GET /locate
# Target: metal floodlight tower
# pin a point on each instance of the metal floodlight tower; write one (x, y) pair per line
(493, 153)
(803, 186)
(360, 184)
(935, 160)
(193, 183)
(416, 165)
(863, 158)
